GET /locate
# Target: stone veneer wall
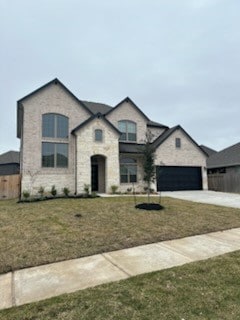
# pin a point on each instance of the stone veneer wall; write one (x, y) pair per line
(156, 132)
(52, 99)
(127, 112)
(88, 147)
(188, 155)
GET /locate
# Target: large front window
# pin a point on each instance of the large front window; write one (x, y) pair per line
(54, 141)
(128, 130)
(128, 170)
(54, 126)
(54, 155)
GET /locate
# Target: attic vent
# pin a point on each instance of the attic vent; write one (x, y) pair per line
(55, 82)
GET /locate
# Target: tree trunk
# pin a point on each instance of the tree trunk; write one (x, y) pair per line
(148, 191)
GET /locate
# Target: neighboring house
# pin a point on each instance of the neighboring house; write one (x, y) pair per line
(224, 170)
(9, 163)
(68, 142)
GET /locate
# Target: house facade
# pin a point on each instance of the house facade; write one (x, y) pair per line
(71, 143)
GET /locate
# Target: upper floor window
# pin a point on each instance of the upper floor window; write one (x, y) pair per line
(98, 135)
(54, 126)
(178, 143)
(128, 130)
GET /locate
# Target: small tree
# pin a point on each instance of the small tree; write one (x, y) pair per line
(148, 162)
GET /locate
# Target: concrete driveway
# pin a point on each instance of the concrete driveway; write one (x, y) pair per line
(211, 197)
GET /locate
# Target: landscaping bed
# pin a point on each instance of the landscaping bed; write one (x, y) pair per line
(48, 231)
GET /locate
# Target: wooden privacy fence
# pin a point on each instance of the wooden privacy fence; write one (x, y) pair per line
(225, 182)
(9, 186)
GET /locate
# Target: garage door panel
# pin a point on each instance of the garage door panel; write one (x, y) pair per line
(171, 178)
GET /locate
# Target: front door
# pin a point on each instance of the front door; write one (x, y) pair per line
(94, 177)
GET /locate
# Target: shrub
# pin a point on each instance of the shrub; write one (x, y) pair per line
(114, 189)
(41, 191)
(94, 194)
(86, 189)
(26, 194)
(53, 191)
(129, 190)
(66, 191)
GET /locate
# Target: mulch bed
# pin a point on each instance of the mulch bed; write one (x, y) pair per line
(149, 206)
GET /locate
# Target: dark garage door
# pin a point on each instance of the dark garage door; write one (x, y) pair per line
(178, 178)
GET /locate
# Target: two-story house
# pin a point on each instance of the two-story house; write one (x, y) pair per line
(71, 143)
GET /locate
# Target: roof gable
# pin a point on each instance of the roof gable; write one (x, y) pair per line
(92, 118)
(128, 100)
(166, 134)
(56, 82)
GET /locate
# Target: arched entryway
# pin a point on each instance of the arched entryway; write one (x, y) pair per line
(98, 173)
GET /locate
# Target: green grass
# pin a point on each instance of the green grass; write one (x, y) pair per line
(43, 232)
(197, 291)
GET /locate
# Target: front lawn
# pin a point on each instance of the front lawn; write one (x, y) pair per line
(196, 291)
(43, 232)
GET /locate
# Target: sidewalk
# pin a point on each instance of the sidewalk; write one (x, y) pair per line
(39, 283)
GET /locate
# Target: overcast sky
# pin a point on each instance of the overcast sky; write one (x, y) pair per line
(179, 61)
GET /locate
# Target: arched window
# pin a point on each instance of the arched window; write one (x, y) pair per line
(128, 170)
(54, 154)
(54, 126)
(128, 129)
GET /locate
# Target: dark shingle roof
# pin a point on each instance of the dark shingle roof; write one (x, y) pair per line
(156, 124)
(208, 150)
(130, 147)
(96, 107)
(226, 158)
(10, 157)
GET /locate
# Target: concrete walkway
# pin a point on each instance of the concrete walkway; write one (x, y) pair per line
(39, 283)
(210, 197)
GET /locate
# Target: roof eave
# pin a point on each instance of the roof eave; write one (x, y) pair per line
(222, 165)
